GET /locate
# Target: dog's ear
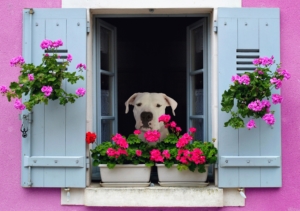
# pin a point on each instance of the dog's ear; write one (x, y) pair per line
(130, 102)
(171, 102)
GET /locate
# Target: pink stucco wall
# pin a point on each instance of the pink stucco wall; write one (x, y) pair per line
(14, 197)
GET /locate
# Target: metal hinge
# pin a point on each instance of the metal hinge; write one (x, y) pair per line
(26, 117)
(215, 26)
(87, 162)
(87, 27)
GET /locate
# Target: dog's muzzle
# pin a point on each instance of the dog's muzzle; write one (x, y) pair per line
(146, 117)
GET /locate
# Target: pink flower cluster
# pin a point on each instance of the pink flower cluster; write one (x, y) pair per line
(196, 155)
(120, 140)
(277, 82)
(69, 58)
(164, 118)
(3, 89)
(80, 92)
(30, 77)
(285, 73)
(116, 152)
(157, 156)
(258, 105)
(47, 90)
(45, 44)
(276, 98)
(18, 105)
(265, 61)
(138, 152)
(251, 124)
(136, 132)
(184, 140)
(244, 79)
(152, 135)
(269, 118)
(80, 66)
(19, 60)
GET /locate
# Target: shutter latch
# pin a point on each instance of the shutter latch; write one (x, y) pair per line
(26, 120)
(87, 27)
(215, 26)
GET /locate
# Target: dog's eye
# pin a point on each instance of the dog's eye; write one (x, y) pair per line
(157, 105)
(139, 104)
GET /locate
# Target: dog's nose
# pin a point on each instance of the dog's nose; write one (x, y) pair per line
(146, 117)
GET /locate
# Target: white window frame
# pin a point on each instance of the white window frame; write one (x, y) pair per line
(229, 197)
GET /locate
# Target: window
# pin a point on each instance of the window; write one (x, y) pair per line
(158, 54)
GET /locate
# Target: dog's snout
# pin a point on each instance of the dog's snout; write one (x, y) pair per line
(146, 117)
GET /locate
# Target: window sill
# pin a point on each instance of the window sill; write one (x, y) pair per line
(155, 196)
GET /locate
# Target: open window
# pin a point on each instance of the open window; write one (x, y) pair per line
(158, 54)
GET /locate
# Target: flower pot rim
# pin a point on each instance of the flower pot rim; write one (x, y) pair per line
(124, 165)
(174, 165)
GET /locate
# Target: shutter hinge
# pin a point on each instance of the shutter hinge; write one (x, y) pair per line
(31, 11)
(87, 162)
(87, 27)
(26, 117)
(215, 26)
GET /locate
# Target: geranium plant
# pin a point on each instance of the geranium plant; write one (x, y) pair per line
(183, 150)
(250, 94)
(43, 82)
(122, 150)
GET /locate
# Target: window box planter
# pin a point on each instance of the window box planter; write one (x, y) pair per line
(125, 173)
(173, 177)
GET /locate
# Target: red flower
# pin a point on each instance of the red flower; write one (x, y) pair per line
(90, 137)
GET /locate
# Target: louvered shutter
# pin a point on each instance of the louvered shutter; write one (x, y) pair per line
(54, 152)
(247, 158)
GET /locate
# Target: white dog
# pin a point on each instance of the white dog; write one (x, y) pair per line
(148, 107)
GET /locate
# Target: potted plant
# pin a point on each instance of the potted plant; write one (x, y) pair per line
(180, 158)
(43, 82)
(251, 93)
(124, 160)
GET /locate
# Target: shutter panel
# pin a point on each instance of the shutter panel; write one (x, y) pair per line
(247, 158)
(54, 152)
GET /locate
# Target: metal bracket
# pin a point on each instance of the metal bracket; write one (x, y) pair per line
(215, 25)
(87, 27)
(250, 161)
(87, 162)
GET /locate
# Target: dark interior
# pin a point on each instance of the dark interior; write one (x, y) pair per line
(151, 57)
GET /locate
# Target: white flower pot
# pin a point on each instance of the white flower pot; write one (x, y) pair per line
(174, 175)
(127, 173)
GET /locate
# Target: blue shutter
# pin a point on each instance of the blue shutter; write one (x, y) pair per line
(247, 158)
(54, 152)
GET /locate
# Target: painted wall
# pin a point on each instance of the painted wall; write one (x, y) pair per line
(14, 197)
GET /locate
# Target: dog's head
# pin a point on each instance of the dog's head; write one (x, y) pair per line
(148, 107)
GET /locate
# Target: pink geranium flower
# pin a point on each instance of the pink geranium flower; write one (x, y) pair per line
(30, 77)
(269, 118)
(3, 89)
(18, 105)
(80, 92)
(173, 124)
(192, 130)
(47, 90)
(120, 140)
(155, 155)
(138, 152)
(164, 118)
(166, 154)
(137, 132)
(69, 58)
(251, 124)
(152, 135)
(276, 98)
(81, 66)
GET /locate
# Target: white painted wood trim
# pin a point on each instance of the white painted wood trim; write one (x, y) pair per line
(138, 4)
